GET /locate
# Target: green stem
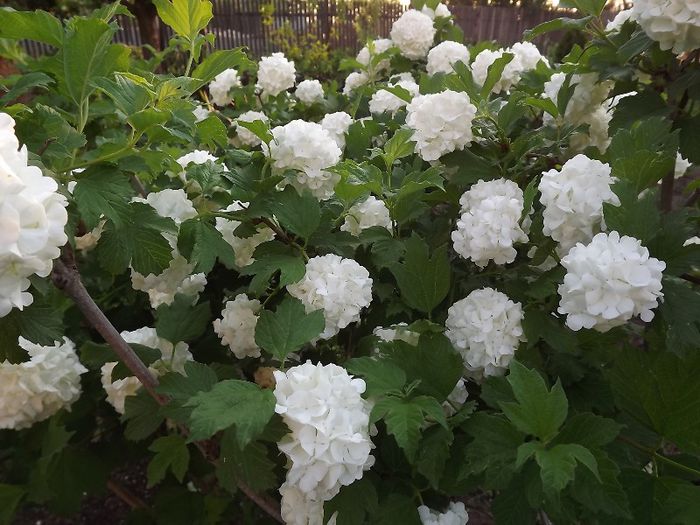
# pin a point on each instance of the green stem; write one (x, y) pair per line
(190, 60)
(658, 457)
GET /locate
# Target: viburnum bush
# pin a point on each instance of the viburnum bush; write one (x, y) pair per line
(464, 282)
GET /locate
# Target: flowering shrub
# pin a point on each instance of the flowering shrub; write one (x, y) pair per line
(466, 282)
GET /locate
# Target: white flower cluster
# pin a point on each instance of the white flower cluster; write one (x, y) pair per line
(32, 221)
(490, 222)
(198, 156)
(441, 11)
(609, 281)
(573, 200)
(244, 135)
(353, 81)
(243, 247)
(36, 389)
(443, 56)
(337, 125)
(456, 514)
(341, 287)
(674, 24)
(309, 149)
(236, 328)
(276, 74)
(379, 46)
(309, 91)
(397, 332)
(442, 123)
(413, 34)
(177, 278)
(220, 87)
(366, 214)
(526, 56)
(173, 358)
(200, 113)
(384, 101)
(328, 445)
(486, 328)
(681, 166)
(298, 509)
(620, 18)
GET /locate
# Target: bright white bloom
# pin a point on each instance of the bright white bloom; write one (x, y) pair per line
(222, 84)
(366, 214)
(413, 34)
(276, 74)
(309, 91)
(32, 221)
(173, 358)
(246, 136)
(455, 514)
(441, 11)
(573, 200)
(674, 24)
(525, 57)
(341, 287)
(309, 149)
(692, 240)
(329, 445)
(598, 121)
(456, 399)
(243, 247)
(385, 102)
(443, 56)
(681, 166)
(172, 204)
(397, 332)
(36, 389)
(337, 125)
(609, 281)
(486, 328)
(480, 70)
(442, 123)
(198, 156)
(620, 18)
(236, 328)
(380, 45)
(490, 222)
(200, 113)
(355, 80)
(176, 279)
(298, 509)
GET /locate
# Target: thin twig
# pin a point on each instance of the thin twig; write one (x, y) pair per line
(653, 454)
(692, 199)
(690, 278)
(667, 193)
(126, 495)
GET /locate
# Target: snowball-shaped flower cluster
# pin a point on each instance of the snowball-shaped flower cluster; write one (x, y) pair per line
(243, 247)
(609, 281)
(173, 358)
(337, 125)
(486, 328)
(341, 287)
(170, 203)
(443, 56)
(573, 200)
(525, 57)
(276, 74)
(490, 222)
(309, 91)
(674, 24)
(384, 101)
(379, 46)
(198, 156)
(442, 123)
(328, 445)
(32, 221)
(441, 11)
(299, 509)
(236, 328)
(36, 389)
(223, 83)
(244, 135)
(353, 81)
(413, 34)
(366, 214)
(456, 514)
(309, 149)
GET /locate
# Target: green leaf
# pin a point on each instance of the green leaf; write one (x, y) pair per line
(423, 280)
(557, 465)
(646, 102)
(288, 328)
(396, 508)
(495, 73)
(233, 402)
(103, 190)
(250, 465)
(433, 454)
(147, 355)
(589, 430)
(404, 420)
(587, 7)
(398, 146)
(539, 325)
(679, 311)
(259, 128)
(636, 216)
(558, 24)
(198, 378)
(545, 104)
(171, 453)
(470, 167)
(141, 416)
(181, 321)
(356, 180)
(25, 83)
(538, 411)
(186, 17)
(219, 61)
(495, 442)
(212, 132)
(300, 214)
(130, 93)
(10, 497)
(202, 245)
(36, 25)
(380, 375)
(270, 258)
(355, 503)
(605, 495)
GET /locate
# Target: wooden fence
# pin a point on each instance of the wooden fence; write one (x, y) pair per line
(252, 23)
